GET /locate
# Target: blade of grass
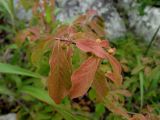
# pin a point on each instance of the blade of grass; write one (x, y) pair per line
(141, 78)
(7, 5)
(42, 95)
(153, 38)
(12, 69)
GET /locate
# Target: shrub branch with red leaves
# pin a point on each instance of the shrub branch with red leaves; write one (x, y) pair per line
(86, 33)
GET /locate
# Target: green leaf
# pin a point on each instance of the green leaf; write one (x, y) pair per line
(42, 95)
(154, 77)
(92, 94)
(12, 69)
(48, 16)
(137, 69)
(4, 91)
(100, 109)
(7, 4)
(38, 93)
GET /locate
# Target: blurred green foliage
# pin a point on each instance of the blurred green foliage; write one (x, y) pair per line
(141, 73)
(144, 3)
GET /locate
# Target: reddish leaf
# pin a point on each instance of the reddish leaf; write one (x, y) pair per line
(65, 33)
(91, 22)
(38, 50)
(125, 93)
(112, 77)
(98, 29)
(115, 64)
(32, 33)
(83, 35)
(91, 46)
(83, 77)
(95, 48)
(104, 43)
(83, 19)
(116, 108)
(62, 31)
(115, 76)
(91, 12)
(100, 85)
(138, 117)
(59, 79)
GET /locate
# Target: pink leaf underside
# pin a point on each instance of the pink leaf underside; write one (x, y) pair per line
(91, 46)
(115, 76)
(83, 77)
(104, 43)
(115, 64)
(95, 48)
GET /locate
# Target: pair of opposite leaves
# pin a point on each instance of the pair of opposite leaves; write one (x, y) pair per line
(62, 82)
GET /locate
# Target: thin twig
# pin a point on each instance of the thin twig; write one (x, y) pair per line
(65, 40)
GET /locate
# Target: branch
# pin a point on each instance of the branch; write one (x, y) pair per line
(65, 40)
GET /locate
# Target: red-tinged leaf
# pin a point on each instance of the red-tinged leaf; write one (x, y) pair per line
(62, 31)
(91, 12)
(84, 19)
(100, 85)
(95, 48)
(83, 77)
(31, 33)
(69, 53)
(59, 82)
(116, 66)
(83, 36)
(112, 77)
(117, 109)
(34, 33)
(138, 117)
(91, 46)
(38, 50)
(125, 93)
(80, 20)
(20, 38)
(104, 44)
(99, 30)
(115, 76)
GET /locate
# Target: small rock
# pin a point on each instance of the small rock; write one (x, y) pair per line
(143, 25)
(146, 25)
(10, 116)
